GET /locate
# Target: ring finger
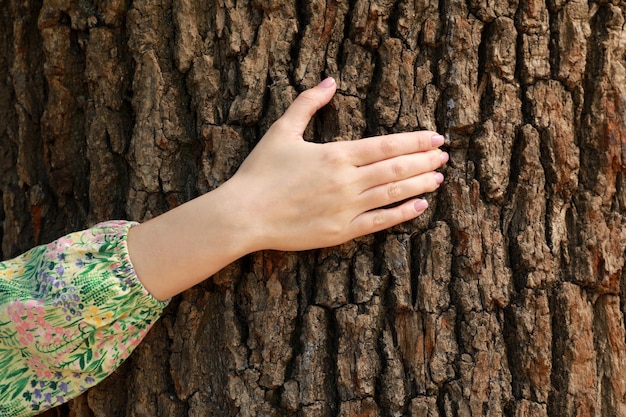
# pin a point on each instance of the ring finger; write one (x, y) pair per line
(400, 168)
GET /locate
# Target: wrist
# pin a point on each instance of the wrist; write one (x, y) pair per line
(190, 243)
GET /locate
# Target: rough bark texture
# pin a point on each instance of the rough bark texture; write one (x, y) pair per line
(506, 299)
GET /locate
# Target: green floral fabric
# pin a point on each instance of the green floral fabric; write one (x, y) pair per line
(70, 313)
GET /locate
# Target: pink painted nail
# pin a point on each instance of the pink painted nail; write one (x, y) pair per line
(444, 157)
(420, 205)
(437, 140)
(438, 177)
(328, 82)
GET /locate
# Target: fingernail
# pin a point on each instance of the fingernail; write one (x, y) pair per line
(444, 157)
(438, 177)
(328, 82)
(437, 140)
(420, 205)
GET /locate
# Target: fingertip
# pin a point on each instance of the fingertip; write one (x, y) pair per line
(420, 205)
(437, 140)
(299, 113)
(327, 83)
(326, 89)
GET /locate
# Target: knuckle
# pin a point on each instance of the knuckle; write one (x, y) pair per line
(378, 220)
(334, 231)
(398, 170)
(336, 156)
(388, 146)
(394, 191)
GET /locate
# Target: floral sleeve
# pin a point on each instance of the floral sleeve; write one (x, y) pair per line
(70, 313)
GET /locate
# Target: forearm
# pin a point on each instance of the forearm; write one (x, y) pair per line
(186, 245)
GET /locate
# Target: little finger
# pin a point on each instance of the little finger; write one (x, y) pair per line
(380, 219)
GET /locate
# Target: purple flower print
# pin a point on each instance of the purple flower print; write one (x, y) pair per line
(53, 289)
(129, 282)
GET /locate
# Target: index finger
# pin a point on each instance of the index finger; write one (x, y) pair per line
(378, 148)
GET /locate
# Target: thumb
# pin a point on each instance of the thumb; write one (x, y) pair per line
(300, 112)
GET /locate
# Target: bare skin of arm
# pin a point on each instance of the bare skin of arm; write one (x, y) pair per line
(292, 195)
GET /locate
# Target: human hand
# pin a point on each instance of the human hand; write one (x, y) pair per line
(300, 195)
(289, 194)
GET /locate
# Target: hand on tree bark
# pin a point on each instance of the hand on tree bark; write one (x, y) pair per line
(290, 194)
(304, 195)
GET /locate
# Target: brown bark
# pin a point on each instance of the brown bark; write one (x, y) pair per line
(506, 298)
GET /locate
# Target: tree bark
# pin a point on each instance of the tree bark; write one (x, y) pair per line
(507, 298)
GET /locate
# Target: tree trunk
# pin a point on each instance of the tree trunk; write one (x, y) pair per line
(507, 298)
